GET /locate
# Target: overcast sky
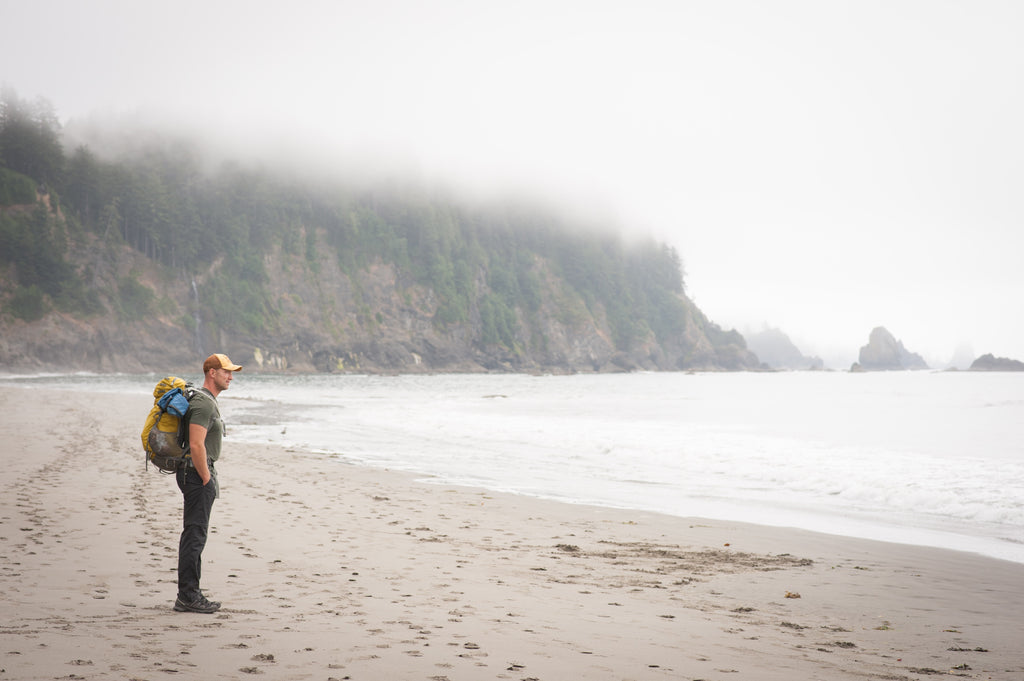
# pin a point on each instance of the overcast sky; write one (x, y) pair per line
(822, 167)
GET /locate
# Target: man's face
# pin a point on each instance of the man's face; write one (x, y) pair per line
(222, 378)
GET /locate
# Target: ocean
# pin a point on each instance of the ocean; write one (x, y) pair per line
(928, 458)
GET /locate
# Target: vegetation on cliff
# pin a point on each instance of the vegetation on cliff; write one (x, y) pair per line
(152, 235)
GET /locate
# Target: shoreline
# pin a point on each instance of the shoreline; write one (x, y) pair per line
(988, 547)
(993, 544)
(331, 571)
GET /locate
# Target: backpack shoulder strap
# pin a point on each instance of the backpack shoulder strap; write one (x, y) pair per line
(190, 392)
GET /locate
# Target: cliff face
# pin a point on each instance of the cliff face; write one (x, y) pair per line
(327, 320)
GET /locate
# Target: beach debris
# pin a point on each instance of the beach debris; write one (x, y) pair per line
(979, 649)
(568, 548)
(792, 594)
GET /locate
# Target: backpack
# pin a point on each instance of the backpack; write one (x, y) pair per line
(162, 436)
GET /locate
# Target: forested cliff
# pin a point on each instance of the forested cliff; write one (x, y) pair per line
(149, 257)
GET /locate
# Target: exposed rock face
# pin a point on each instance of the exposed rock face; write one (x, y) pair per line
(991, 363)
(372, 320)
(775, 349)
(884, 353)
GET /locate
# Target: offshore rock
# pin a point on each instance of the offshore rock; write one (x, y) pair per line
(884, 353)
(991, 363)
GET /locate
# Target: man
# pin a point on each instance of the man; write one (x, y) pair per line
(197, 481)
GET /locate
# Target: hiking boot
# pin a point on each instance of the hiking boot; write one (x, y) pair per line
(201, 605)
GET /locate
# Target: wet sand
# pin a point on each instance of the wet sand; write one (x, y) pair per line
(329, 571)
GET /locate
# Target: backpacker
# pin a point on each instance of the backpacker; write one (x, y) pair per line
(161, 437)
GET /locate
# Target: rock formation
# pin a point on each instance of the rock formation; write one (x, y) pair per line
(775, 349)
(884, 353)
(991, 363)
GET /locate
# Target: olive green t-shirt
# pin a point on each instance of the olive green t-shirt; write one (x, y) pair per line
(206, 413)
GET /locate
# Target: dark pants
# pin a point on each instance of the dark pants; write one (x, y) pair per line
(198, 504)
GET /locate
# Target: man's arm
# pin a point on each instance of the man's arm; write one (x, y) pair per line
(197, 445)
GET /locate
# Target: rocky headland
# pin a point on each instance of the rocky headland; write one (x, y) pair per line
(373, 320)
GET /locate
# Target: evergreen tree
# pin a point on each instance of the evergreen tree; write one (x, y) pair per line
(493, 265)
(30, 138)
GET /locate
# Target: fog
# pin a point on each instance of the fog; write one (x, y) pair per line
(821, 167)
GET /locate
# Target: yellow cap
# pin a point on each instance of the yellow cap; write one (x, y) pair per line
(219, 361)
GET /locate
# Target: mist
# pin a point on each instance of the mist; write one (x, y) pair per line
(821, 167)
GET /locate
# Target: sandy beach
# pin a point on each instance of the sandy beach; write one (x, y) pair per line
(330, 571)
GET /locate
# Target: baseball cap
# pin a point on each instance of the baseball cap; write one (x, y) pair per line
(219, 361)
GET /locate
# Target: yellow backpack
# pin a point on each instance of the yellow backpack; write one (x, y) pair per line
(161, 439)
